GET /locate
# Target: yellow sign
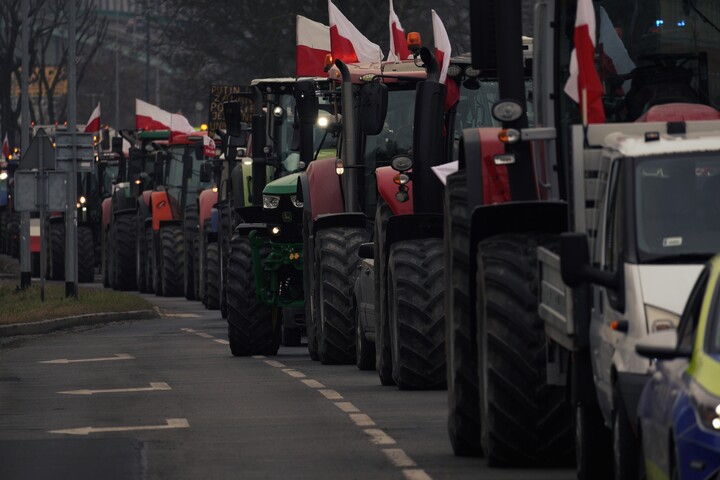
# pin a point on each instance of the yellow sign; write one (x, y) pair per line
(34, 85)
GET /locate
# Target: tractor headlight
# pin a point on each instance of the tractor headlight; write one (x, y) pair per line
(271, 202)
(659, 319)
(295, 201)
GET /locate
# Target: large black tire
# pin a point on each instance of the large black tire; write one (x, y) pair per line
(211, 276)
(311, 301)
(171, 261)
(337, 260)
(224, 232)
(625, 442)
(460, 331)
(150, 264)
(525, 421)
(416, 314)
(56, 251)
(252, 330)
(141, 256)
(105, 255)
(123, 254)
(364, 348)
(86, 254)
(190, 229)
(4, 224)
(383, 353)
(14, 235)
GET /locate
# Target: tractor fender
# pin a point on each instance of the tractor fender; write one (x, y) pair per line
(387, 189)
(335, 220)
(206, 200)
(124, 211)
(409, 227)
(302, 187)
(146, 194)
(323, 188)
(478, 148)
(106, 209)
(161, 208)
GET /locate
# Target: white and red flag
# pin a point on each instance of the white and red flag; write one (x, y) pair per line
(6, 148)
(312, 44)
(150, 117)
(443, 52)
(93, 125)
(398, 41)
(346, 41)
(584, 84)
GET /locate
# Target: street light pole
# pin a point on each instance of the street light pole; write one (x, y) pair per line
(24, 239)
(71, 209)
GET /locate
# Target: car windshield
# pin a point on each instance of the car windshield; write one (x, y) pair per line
(677, 208)
(175, 174)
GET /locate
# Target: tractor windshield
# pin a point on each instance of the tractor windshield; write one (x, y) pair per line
(175, 169)
(677, 208)
(649, 52)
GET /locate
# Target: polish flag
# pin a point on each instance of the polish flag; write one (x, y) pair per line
(398, 40)
(150, 117)
(443, 52)
(584, 84)
(312, 44)
(346, 41)
(93, 125)
(6, 148)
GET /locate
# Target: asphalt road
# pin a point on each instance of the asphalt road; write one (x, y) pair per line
(164, 399)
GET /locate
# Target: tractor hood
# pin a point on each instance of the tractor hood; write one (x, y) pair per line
(286, 185)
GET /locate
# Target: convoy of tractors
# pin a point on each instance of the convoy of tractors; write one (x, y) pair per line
(520, 278)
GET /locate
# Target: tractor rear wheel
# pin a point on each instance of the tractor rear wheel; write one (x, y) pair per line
(211, 276)
(524, 420)
(56, 251)
(416, 314)
(123, 256)
(190, 230)
(383, 353)
(309, 289)
(141, 256)
(172, 260)
(252, 330)
(337, 259)
(86, 254)
(150, 264)
(460, 330)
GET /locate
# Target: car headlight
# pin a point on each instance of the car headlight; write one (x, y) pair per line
(707, 407)
(659, 319)
(271, 201)
(295, 201)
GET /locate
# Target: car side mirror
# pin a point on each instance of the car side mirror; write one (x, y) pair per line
(366, 250)
(662, 346)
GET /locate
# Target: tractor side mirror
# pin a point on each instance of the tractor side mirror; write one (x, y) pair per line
(373, 107)
(117, 144)
(306, 101)
(366, 250)
(206, 171)
(233, 112)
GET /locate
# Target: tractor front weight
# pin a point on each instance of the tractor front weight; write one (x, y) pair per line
(277, 270)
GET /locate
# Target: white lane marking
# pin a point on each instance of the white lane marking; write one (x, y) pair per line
(118, 356)
(362, 420)
(331, 394)
(399, 458)
(415, 474)
(170, 424)
(178, 315)
(222, 342)
(378, 437)
(313, 383)
(204, 335)
(258, 357)
(275, 363)
(153, 386)
(187, 330)
(347, 407)
(294, 373)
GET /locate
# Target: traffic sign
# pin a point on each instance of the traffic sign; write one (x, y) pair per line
(27, 185)
(41, 148)
(220, 94)
(84, 151)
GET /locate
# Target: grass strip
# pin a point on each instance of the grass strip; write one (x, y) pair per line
(25, 306)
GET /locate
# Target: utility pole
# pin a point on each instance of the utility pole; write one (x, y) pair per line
(24, 143)
(71, 210)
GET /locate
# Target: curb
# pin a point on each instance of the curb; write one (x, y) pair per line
(47, 326)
